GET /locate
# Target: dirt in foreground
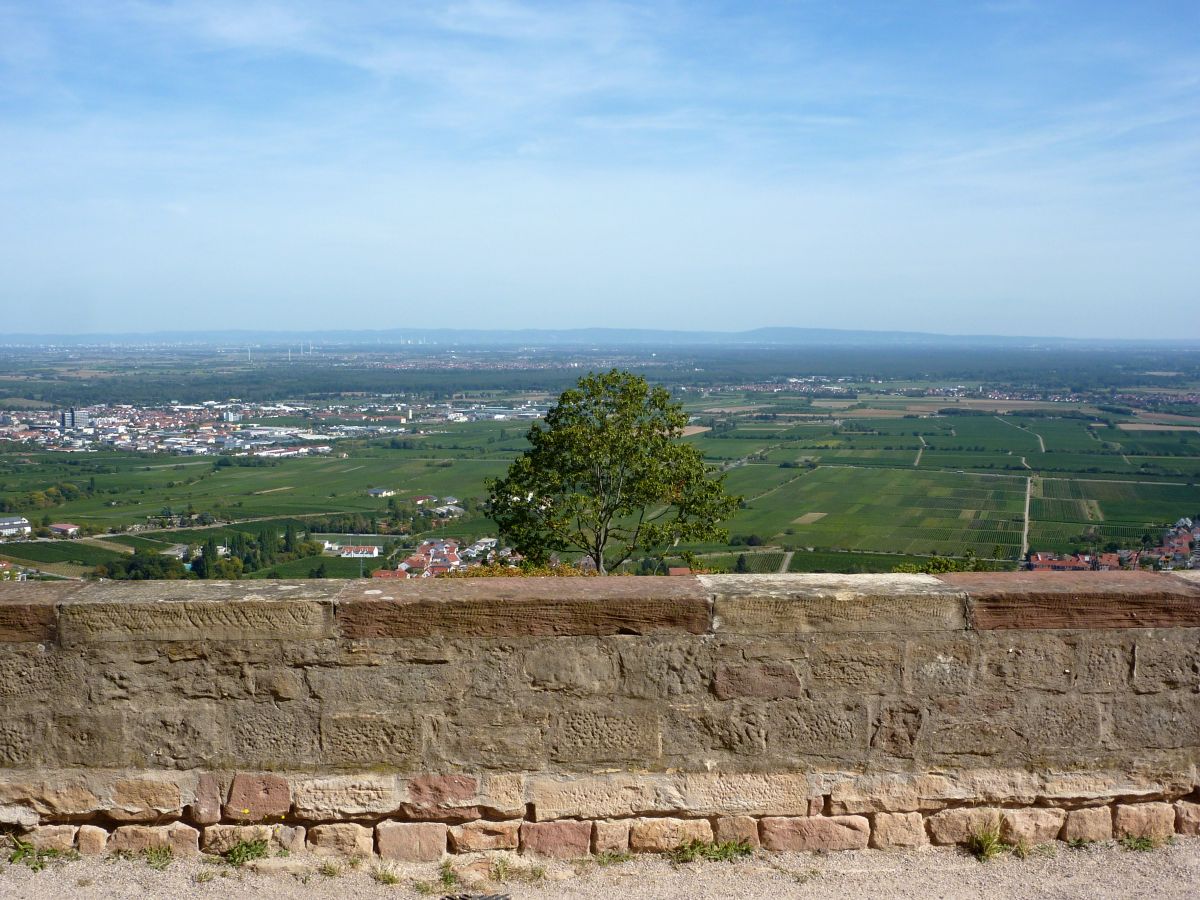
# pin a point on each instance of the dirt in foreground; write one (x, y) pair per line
(1057, 872)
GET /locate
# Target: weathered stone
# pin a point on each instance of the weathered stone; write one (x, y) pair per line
(857, 664)
(1091, 824)
(559, 840)
(91, 840)
(205, 809)
(52, 837)
(661, 835)
(245, 620)
(895, 831)
(220, 839)
(815, 833)
(741, 793)
(145, 799)
(450, 797)
(591, 797)
(530, 606)
(256, 798)
(738, 829)
(762, 680)
(269, 735)
(28, 622)
(605, 734)
(346, 796)
(369, 738)
(958, 826)
(1187, 817)
(875, 793)
(474, 836)
(1031, 826)
(610, 836)
(938, 665)
(340, 839)
(1144, 820)
(1083, 787)
(782, 604)
(57, 794)
(411, 841)
(12, 814)
(183, 840)
(1158, 720)
(504, 795)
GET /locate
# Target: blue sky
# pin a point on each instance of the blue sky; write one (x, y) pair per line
(997, 167)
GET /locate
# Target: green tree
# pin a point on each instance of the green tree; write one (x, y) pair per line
(606, 475)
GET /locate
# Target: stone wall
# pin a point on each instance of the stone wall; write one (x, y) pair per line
(568, 716)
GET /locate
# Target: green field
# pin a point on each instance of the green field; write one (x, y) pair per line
(851, 488)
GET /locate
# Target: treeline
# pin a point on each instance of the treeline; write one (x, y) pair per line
(245, 553)
(47, 498)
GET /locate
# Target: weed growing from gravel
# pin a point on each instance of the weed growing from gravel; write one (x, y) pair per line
(1139, 844)
(158, 857)
(202, 877)
(721, 851)
(329, 869)
(1079, 843)
(446, 874)
(25, 854)
(385, 873)
(984, 843)
(612, 857)
(244, 851)
(1021, 849)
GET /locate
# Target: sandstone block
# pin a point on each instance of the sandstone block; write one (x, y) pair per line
(52, 837)
(340, 839)
(144, 799)
(28, 622)
(742, 793)
(18, 815)
(762, 680)
(1091, 824)
(1187, 817)
(56, 795)
(253, 798)
(454, 797)
(475, 836)
(661, 835)
(894, 831)
(815, 833)
(1031, 826)
(183, 840)
(740, 829)
(611, 837)
(245, 620)
(504, 795)
(558, 840)
(345, 796)
(411, 841)
(875, 793)
(91, 840)
(205, 809)
(591, 797)
(1146, 820)
(958, 826)
(221, 839)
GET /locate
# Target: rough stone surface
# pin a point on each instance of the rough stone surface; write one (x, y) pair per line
(1031, 826)
(255, 798)
(740, 829)
(220, 839)
(817, 833)
(1187, 817)
(596, 797)
(52, 837)
(1091, 824)
(144, 799)
(898, 831)
(1146, 820)
(558, 840)
(610, 836)
(411, 841)
(346, 796)
(340, 839)
(474, 836)
(91, 840)
(205, 809)
(661, 835)
(958, 826)
(183, 840)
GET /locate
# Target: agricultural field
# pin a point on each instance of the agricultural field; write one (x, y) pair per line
(866, 492)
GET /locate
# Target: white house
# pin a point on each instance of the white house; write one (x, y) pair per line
(11, 526)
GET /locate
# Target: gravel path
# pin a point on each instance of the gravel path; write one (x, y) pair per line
(1109, 871)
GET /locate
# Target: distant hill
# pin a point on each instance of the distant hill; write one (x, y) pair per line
(585, 337)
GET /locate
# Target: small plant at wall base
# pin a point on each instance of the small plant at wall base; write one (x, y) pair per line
(985, 844)
(722, 851)
(608, 476)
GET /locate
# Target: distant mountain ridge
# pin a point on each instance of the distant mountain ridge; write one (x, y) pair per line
(584, 337)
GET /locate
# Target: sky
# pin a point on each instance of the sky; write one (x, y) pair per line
(1001, 167)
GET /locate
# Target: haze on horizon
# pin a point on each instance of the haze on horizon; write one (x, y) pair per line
(1001, 167)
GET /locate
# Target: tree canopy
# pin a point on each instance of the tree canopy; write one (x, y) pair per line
(607, 475)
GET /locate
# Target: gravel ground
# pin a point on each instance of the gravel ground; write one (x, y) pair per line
(1102, 871)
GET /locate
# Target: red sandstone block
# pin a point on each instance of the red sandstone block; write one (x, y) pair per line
(476, 836)
(411, 841)
(255, 798)
(206, 808)
(739, 829)
(453, 797)
(560, 840)
(815, 832)
(28, 622)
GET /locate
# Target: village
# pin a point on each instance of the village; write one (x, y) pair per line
(1178, 549)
